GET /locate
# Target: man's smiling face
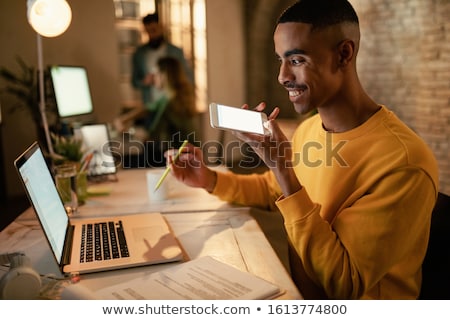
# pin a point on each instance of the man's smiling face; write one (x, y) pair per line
(308, 65)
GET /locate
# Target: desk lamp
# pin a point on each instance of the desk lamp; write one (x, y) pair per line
(49, 18)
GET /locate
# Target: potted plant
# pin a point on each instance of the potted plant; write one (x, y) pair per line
(24, 87)
(67, 149)
(69, 153)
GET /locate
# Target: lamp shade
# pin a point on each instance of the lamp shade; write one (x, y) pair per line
(49, 18)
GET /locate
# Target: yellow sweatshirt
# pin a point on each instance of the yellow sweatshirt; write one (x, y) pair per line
(360, 224)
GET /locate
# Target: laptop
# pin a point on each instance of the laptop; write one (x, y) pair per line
(96, 140)
(116, 242)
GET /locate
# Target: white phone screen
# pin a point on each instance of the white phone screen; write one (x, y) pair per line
(239, 119)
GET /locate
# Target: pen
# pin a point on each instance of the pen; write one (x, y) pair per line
(166, 172)
(86, 161)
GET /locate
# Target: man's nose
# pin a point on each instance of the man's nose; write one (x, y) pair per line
(285, 74)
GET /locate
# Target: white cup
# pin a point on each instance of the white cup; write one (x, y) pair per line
(162, 193)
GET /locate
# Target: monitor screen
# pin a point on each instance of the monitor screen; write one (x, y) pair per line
(96, 141)
(71, 89)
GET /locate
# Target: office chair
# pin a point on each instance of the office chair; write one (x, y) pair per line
(436, 266)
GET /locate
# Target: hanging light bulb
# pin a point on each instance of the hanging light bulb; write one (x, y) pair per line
(49, 18)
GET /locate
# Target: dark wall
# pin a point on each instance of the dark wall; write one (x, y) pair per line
(403, 63)
(262, 64)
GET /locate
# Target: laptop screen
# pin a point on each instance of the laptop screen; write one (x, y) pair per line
(44, 196)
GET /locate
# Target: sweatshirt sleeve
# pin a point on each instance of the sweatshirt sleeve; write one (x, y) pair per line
(256, 190)
(347, 257)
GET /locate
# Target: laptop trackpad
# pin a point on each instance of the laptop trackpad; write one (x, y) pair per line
(155, 243)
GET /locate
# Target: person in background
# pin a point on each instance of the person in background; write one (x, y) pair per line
(146, 56)
(355, 186)
(169, 120)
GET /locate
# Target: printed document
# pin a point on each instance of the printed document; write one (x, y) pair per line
(201, 279)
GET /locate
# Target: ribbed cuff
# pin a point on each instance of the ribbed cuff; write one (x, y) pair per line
(296, 206)
(223, 183)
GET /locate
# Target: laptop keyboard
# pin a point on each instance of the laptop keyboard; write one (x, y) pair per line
(103, 241)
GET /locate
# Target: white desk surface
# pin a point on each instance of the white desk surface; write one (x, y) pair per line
(203, 225)
(129, 194)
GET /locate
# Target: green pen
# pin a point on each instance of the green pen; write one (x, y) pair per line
(166, 172)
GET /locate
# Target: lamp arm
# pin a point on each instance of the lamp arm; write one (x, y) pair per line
(42, 106)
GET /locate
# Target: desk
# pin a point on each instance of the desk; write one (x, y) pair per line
(129, 194)
(206, 226)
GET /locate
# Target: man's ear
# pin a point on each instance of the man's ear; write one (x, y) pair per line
(346, 51)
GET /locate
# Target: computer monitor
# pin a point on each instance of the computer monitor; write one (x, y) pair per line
(96, 140)
(72, 92)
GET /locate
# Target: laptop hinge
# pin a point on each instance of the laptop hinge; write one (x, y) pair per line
(67, 253)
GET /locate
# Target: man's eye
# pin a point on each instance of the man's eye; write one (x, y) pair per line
(296, 61)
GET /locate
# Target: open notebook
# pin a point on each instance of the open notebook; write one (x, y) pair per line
(95, 244)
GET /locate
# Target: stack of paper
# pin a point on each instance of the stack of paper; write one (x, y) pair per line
(201, 279)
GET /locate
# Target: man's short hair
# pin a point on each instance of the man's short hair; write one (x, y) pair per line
(320, 13)
(150, 18)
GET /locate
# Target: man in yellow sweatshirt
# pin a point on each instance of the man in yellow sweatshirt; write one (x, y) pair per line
(356, 187)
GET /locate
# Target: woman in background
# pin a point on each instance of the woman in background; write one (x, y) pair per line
(170, 118)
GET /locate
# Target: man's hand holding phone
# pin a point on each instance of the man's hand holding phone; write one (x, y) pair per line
(271, 145)
(273, 148)
(262, 133)
(238, 119)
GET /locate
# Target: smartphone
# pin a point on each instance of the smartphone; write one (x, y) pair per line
(237, 119)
